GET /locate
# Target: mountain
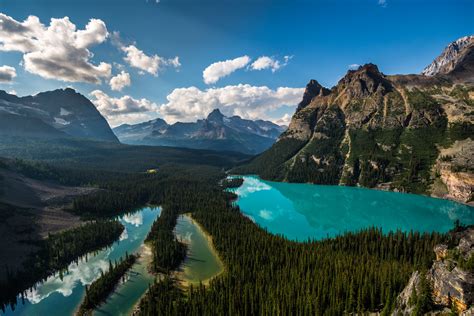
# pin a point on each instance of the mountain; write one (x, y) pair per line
(216, 132)
(451, 57)
(410, 133)
(60, 113)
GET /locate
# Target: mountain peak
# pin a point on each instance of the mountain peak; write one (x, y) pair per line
(368, 68)
(215, 116)
(450, 57)
(313, 89)
(364, 81)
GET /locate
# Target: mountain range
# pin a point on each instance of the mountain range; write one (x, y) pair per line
(215, 132)
(61, 113)
(411, 133)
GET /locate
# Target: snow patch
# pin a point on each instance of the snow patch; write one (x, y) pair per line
(61, 121)
(64, 112)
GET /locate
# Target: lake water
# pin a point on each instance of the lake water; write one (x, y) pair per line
(202, 262)
(62, 297)
(302, 211)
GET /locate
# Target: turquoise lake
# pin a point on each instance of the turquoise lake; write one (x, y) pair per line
(302, 211)
(62, 297)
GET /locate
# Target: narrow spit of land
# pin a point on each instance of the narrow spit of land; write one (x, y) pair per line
(202, 263)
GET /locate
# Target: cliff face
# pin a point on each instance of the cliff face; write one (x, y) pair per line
(450, 57)
(450, 280)
(379, 131)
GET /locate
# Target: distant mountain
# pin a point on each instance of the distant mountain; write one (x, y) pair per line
(60, 113)
(412, 133)
(452, 56)
(216, 132)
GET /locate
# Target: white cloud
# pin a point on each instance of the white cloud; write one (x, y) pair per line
(266, 62)
(7, 73)
(284, 120)
(220, 69)
(151, 64)
(125, 109)
(382, 3)
(251, 102)
(120, 81)
(58, 51)
(12, 92)
(354, 66)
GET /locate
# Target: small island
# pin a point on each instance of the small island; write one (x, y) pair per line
(101, 288)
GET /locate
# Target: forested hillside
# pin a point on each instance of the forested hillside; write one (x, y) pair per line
(410, 133)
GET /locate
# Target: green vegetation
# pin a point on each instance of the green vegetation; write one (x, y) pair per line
(168, 252)
(422, 300)
(101, 288)
(230, 183)
(56, 253)
(361, 271)
(320, 160)
(357, 272)
(401, 156)
(90, 155)
(462, 92)
(270, 164)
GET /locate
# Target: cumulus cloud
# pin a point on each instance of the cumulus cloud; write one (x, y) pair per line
(266, 62)
(58, 51)
(7, 74)
(120, 81)
(124, 109)
(251, 102)
(220, 69)
(151, 64)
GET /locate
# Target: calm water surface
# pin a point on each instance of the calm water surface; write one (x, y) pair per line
(62, 297)
(202, 263)
(302, 211)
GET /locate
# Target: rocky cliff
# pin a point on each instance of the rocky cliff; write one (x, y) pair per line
(450, 58)
(381, 131)
(448, 285)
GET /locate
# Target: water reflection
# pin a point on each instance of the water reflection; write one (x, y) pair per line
(61, 294)
(300, 211)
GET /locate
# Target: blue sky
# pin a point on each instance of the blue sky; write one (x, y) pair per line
(320, 39)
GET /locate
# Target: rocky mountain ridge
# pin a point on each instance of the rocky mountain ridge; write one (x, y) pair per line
(400, 132)
(60, 113)
(449, 283)
(216, 132)
(450, 57)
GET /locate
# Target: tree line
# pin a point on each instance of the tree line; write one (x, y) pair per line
(55, 254)
(268, 274)
(100, 289)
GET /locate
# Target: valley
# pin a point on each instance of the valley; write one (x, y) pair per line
(144, 183)
(216, 132)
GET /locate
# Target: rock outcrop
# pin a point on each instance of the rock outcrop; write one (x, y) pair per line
(450, 57)
(451, 278)
(381, 131)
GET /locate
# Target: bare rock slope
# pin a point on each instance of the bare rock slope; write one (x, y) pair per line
(400, 132)
(450, 280)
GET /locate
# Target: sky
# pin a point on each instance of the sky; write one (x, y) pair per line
(137, 60)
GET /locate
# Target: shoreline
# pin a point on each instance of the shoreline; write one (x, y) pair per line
(179, 274)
